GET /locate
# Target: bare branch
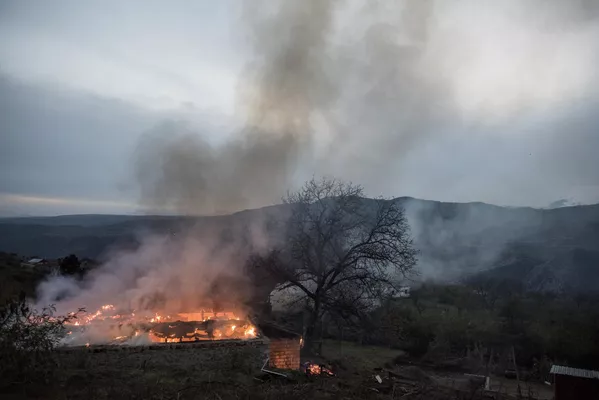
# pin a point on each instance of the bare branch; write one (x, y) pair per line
(349, 246)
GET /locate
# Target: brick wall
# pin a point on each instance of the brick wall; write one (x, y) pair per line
(285, 353)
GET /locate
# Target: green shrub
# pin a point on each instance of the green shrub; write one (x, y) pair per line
(27, 338)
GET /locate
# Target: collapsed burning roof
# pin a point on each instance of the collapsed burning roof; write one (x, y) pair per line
(111, 326)
(218, 310)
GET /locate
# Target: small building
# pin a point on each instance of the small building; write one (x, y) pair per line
(35, 263)
(284, 346)
(42, 265)
(574, 383)
(402, 292)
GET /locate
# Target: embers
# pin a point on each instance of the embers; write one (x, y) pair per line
(193, 331)
(311, 368)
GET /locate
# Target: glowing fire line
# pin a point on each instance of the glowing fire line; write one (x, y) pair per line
(182, 327)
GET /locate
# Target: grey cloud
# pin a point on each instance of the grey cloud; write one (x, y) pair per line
(59, 143)
(489, 101)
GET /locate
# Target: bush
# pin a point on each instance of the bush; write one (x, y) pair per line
(27, 338)
(418, 336)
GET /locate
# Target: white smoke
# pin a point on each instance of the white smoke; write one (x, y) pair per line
(194, 269)
(347, 89)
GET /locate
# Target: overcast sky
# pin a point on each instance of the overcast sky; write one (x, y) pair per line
(494, 101)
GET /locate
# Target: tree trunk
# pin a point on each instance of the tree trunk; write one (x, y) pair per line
(311, 331)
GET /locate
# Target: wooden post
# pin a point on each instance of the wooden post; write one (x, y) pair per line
(516, 369)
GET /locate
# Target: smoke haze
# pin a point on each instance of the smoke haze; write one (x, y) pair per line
(167, 274)
(473, 100)
(304, 92)
(194, 269)
(353, 88)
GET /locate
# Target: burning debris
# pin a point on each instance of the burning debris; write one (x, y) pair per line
(310, 368)
(192, 331)
(107, 325)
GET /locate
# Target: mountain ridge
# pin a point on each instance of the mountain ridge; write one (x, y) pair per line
(545, 249)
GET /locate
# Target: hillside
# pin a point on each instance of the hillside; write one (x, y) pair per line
(546, 249)
(14, 278)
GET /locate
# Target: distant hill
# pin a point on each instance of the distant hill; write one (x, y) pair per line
(546, 249)
(77, 220)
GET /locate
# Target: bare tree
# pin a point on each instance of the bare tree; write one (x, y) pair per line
(341, 250)
(488, 290)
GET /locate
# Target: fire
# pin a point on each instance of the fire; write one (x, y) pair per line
(314, 369)
(156, 318)
(317, 369)
(118, 325)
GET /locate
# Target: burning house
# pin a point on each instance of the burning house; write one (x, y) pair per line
(190, 293)
(201, 329)
(226, 322)
(109, 325)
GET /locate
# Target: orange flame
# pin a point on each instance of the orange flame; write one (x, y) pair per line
(181, 327)
(314, 369)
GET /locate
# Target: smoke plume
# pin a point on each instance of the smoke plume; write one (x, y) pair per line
(190, 271)
(350, 89)
(355, 88)
(170, 274)
(311, 88)
(283, 88)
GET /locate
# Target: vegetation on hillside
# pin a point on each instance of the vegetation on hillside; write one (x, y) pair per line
(15, 279)
(484, 326)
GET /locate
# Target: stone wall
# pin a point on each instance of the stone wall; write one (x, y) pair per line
(285, 353)
(218, 356)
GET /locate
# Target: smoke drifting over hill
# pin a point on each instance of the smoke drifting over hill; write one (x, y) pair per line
(351, 88)
(304, 91)
(470, 100)
(491, 101)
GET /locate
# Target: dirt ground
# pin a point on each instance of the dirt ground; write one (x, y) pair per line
(208, 373)
(370, 359)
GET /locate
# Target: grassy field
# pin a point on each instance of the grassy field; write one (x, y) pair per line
(217, 373)
(358, 357)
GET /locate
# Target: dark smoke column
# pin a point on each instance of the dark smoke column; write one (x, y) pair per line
(284, 86)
